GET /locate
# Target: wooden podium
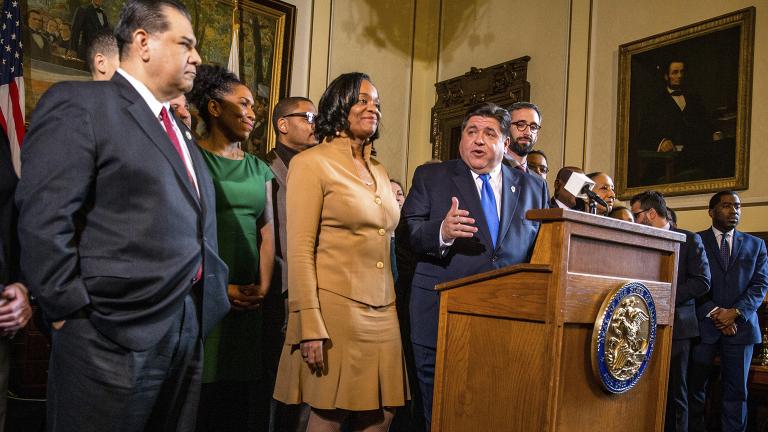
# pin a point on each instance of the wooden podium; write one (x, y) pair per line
(515, 344)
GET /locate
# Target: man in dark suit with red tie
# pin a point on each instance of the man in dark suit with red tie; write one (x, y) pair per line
(117, 228)
(727, 315)
(464, 217)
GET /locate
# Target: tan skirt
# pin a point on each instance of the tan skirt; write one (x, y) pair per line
(364, 367)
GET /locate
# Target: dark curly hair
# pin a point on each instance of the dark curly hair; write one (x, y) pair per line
(335, 104)
(212, 82)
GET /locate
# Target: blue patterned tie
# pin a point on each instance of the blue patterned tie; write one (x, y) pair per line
(725, 252)
(488, 201)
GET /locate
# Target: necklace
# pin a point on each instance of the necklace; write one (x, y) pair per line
(363, 173)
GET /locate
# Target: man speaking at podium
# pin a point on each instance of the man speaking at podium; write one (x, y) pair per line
(464, 217)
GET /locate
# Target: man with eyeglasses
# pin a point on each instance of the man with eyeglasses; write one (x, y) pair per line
(727, 315)
(693, 281)
(293, 120)
(523, 133)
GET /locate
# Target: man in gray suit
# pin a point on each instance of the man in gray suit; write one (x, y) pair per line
(117, 223)
(294, 122)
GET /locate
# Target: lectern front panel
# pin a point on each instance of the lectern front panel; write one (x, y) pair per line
(486, 389)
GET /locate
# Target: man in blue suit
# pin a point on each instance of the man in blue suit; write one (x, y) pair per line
(727, 314)
(464, 217)
(693, 281)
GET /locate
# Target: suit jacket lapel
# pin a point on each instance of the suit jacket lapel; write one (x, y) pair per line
(201, 168)
(154, 130)
(470, 200)
(710, 242)
(509, 196)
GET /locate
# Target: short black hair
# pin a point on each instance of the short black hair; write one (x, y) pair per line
(490, 110)
(614, 211)
(284, 107)
(715, 200)
(672, 216)
(103, 43)
(594, 174)
(334, 106)
(144, 14)
(525, 105)
(211, 82)
(565, 173)
(397, 183)
(668, 62)
(540, 153)
(652, 199)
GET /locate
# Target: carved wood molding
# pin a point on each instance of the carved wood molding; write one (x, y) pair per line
(502, 84)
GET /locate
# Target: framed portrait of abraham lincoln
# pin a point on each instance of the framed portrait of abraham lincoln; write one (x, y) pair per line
(684, 108)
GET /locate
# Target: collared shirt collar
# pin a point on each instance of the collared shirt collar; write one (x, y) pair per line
(666, 226)
(154, 105)
(718, 233)
(495, 173)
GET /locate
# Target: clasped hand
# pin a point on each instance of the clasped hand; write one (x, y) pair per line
(457, 223)
(246, 297)
(725, 321)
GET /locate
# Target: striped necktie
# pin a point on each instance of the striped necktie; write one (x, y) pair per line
(725, 251)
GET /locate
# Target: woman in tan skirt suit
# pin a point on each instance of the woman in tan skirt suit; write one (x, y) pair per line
(342, 353)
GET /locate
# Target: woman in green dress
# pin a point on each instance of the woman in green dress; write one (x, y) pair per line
(232, 391)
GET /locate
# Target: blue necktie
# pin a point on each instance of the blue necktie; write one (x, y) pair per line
(725, 252)
(488, 201)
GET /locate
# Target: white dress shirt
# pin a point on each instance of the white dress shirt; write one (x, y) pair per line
(156, 107)
(496, 182)
(719, 237)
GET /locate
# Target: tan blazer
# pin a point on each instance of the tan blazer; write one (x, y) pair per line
(338, 235)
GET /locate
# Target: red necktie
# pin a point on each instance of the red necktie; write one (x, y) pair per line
(166, 119)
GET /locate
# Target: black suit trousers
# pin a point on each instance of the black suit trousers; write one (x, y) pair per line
(676, 418)
(95, 384)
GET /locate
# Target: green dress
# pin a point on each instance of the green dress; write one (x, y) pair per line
(233, 348)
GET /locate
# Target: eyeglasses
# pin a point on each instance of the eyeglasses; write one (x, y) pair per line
(540, 168)
(635, 215)
(521, 125)
(310, 116)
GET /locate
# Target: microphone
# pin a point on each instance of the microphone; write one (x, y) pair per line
(594, 197)
(581, 186)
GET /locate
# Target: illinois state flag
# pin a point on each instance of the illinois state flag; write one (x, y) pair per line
(12, 79)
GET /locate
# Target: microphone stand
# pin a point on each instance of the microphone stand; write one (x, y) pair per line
(592, 206)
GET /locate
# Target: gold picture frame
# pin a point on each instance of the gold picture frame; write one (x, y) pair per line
(684, 108)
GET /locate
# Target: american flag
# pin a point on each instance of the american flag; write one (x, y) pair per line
(12, 79)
